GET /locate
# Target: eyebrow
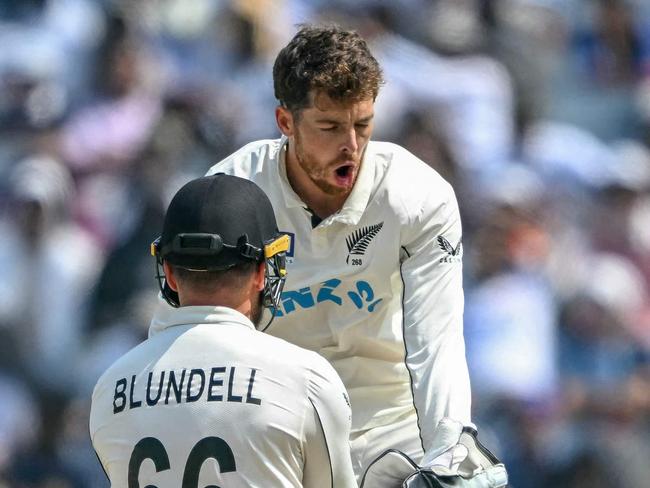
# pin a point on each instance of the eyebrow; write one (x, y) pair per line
(366, 119)
(333, 121)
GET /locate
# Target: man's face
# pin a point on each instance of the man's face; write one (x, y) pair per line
(329, 140)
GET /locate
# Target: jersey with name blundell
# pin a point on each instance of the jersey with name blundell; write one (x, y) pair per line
(209, 400)
(375, 288)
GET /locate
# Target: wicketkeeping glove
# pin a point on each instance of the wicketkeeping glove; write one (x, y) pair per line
(459, 460)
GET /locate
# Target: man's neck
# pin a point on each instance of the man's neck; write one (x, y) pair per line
(243, 306)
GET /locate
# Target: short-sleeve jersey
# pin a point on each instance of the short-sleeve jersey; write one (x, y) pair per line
(207, 400)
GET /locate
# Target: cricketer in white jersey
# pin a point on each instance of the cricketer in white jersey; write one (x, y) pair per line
(209, 400)
(376, 288)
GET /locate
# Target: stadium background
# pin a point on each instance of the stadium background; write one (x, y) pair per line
(537, 111)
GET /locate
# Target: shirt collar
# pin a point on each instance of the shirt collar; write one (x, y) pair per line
(356, 202)
(166, 316)
(291, 198)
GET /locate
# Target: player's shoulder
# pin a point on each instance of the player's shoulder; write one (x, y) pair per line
(298, 360)
(249, 160)
(401, 167)
(122, 367)
(409, 183)
(287, 353)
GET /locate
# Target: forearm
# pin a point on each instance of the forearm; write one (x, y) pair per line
(433, 305)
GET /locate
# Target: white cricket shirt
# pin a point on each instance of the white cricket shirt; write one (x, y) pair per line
(377, 287)
(209, 400)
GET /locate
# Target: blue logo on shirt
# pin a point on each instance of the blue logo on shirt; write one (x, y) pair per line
(361, 296)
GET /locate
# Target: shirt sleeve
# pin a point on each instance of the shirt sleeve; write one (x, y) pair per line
(326, 445)
(431, 271)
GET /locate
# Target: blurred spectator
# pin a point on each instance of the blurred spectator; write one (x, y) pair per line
(41, 464)
(510, 322)
(597, 351)
(594, 85)
(605, 399)
(49, 266)
(115, 125)
(19, 421)
(471, 94)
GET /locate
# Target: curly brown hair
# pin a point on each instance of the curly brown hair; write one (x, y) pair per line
(326, 60)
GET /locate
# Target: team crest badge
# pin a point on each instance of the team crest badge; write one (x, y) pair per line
(359, 241)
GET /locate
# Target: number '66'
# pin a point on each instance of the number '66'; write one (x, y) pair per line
(206, 448)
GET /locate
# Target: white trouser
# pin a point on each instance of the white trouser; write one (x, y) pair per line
(368, 445)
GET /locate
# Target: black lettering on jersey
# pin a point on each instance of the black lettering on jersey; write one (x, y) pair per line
(231, 380)
(215, 382)
(152, 401)
(178, 387)
(119, 397)
(208, 448)
(132, 403)
(195, 372)
(193, 385)
(147, 448)
(152, 449)
(249, 395)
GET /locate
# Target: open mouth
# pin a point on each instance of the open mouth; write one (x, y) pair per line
(344, 171)
(344, 175)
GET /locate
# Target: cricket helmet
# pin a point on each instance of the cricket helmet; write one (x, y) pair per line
(216, 222)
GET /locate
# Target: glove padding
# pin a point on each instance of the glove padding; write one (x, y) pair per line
(459, 460)
(492, 477)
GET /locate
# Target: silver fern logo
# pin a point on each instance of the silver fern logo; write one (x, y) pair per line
(453, 253)
(359, 240)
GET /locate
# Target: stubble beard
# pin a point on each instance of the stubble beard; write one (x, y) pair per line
(316, 174)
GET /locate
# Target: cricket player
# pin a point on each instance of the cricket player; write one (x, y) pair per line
(208, 400)
(375, 272)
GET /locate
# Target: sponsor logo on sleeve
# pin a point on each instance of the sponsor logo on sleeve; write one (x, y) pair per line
(454, 254)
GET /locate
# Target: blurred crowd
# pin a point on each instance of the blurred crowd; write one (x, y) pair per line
(537, 111)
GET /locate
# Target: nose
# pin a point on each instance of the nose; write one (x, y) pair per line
(349, 144)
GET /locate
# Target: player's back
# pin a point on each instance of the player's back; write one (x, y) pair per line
(217, 404)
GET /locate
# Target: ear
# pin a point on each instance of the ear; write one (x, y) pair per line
(170, 278)
(260, 277)
(284, 119)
